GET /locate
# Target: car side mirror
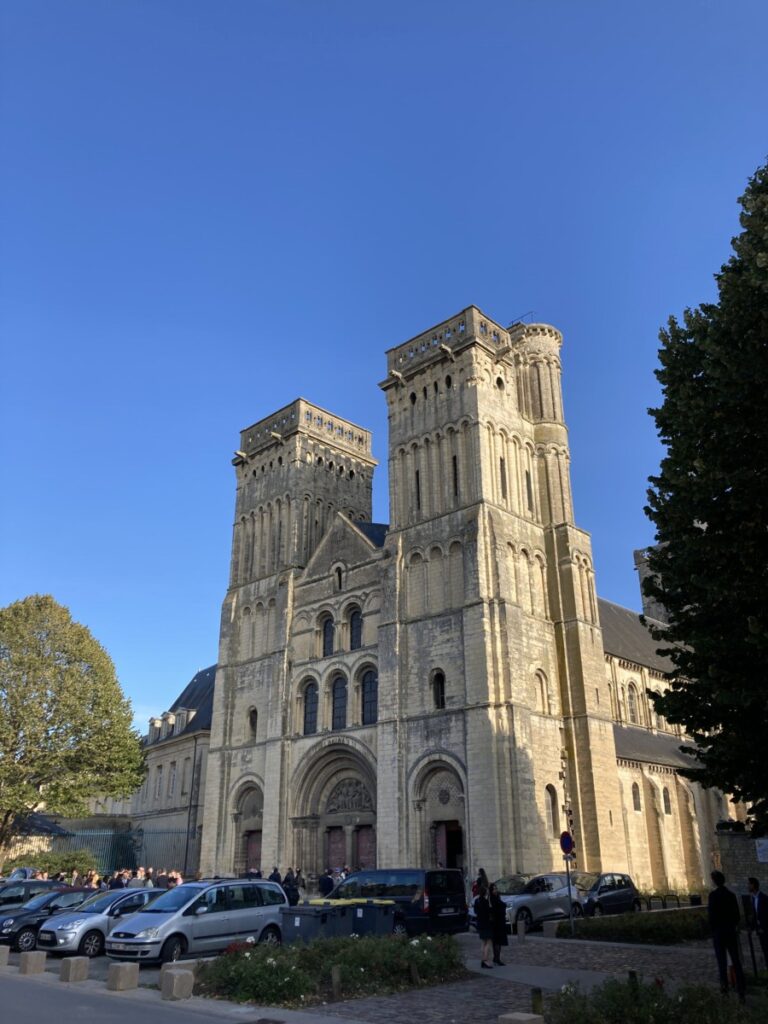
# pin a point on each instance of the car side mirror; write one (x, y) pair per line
(201, 910)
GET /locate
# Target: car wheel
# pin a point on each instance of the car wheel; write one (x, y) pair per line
(398, 928)
(91, 944)
(578, 910)
(173, 949)
(270, 937)
(525, 918)
(598, 911)
(26, 940)
(637, 906)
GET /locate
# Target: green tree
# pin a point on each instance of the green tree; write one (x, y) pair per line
(65, 726)
(709, 504)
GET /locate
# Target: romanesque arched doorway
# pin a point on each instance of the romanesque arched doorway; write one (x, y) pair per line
(248, 818)
(440, 814)
(335, 820)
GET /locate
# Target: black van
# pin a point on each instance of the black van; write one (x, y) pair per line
(430, 902)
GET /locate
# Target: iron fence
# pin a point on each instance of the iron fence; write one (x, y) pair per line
(170, 850)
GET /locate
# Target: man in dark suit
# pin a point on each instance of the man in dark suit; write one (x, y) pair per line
(724, 917)
(759, 902)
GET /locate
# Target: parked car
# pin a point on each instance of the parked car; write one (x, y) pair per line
(84, 930)
(531, 899)
(199, 918)
(15, 894)
(606, 893)
(20, 874)
(20, 930)
(430, 901)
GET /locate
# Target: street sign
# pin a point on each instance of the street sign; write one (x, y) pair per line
(566, 843)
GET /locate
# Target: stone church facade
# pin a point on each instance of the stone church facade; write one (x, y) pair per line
(437, 690)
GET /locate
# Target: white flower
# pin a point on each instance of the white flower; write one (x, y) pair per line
(271, 962)
(251, 939)
(414, 942)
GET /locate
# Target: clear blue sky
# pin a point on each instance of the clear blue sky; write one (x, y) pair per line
(210, 208)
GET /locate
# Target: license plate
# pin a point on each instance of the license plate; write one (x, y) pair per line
(117, 945)
(45, 937)
(448, 910)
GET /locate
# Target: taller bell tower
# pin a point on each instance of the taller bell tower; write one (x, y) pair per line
(497, 594)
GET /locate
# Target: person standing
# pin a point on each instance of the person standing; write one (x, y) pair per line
(760, 911)
(325, 882)
(480, 882)
(723, 911)
(275, 876)
(484, 919)
(498, 924)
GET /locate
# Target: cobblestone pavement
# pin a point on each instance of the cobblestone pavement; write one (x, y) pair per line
(479, 1001)
(695, 963)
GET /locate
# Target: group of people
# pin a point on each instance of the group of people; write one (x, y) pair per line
(123, 878)
(491, 917)
(330, 878)
(724, 919)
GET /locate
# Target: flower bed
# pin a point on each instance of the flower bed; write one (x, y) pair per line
(662, 927)
(301, 975)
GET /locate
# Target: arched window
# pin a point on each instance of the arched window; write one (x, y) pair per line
(667, 801)
(327, 634)
(253, 721)
(339, 703)
(370, 685)
(636, 797)
(632, 711)
(310, 709)
(553, 812)
(438, 691)
(542, 693)
(355, 629)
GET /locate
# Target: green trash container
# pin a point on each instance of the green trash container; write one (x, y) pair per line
(304, 923)
(372, 917)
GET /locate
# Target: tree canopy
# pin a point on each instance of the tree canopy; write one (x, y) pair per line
(65, 726)
(709, 504)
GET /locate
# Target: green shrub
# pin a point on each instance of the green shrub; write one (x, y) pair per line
(53, 863)
(301, 974)
(623, 1002)
(662, 927)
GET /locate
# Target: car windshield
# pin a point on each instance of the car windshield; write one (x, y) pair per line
(173, 899)
(584, 879)
(40, 901)
(100, 902)
(512, 885)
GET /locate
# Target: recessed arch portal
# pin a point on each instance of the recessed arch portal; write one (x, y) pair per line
(334, 811)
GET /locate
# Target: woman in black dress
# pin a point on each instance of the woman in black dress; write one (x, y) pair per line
(498, 924)
(484, 926)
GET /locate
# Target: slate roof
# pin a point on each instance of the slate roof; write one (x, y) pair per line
(634, 744)
(375, 532)
(197, 696)
(625, 636)
(35, 824)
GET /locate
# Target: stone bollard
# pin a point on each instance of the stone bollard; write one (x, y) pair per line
(521, 930)
(4, 953)
(176, 965)
(177, 983)
(32, 963)
(122, 977)
(74, 968)
(537, 1001)
(520, 1018)
(550, 929)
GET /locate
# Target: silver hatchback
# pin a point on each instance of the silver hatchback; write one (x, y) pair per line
(201, 917)
(83, 931)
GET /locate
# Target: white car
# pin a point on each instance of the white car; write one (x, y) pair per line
(531, 899)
